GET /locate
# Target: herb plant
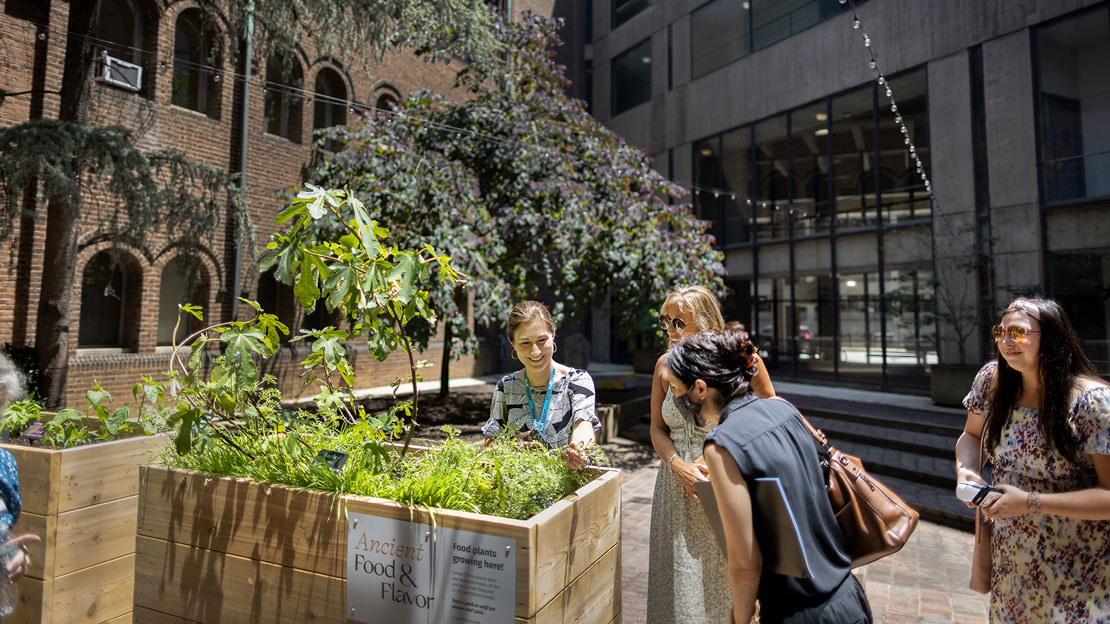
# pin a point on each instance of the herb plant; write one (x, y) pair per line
(69, 427)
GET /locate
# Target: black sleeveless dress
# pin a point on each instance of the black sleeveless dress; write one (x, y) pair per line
(767, 438)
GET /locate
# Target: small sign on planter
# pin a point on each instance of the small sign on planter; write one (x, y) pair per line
(334, 459)
(406, 572)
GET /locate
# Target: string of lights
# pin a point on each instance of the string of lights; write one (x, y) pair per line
(884, 85)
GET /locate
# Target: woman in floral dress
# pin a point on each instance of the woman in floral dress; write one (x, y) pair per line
(1047, 434)
(687, 574)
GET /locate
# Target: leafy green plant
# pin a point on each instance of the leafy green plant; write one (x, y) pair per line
(509, 478)
(69, 427)
(230, 421)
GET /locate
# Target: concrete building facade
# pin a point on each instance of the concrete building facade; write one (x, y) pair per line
(847, 267)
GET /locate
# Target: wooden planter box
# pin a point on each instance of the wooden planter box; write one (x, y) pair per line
(220, 549)
(83, 502)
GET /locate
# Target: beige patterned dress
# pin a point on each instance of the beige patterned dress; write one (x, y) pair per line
(687, 573)
(1046, 568)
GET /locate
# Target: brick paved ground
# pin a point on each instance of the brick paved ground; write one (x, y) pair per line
(924, 583)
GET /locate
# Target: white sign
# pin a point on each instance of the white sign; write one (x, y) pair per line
(407, 573)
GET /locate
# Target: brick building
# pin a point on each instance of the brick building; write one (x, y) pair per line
(158, 75)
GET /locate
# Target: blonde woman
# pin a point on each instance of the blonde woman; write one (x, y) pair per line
(688, 577)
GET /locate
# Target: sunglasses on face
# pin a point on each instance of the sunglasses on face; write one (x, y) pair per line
(666, 322)
(1017, 334)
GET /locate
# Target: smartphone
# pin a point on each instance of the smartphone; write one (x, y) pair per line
(977, 493)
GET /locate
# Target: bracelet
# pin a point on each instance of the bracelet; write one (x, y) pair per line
(670, 460)
(1033, 501)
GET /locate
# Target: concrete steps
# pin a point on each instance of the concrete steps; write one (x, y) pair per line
(912, 451)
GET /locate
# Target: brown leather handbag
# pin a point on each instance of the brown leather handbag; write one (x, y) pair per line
(982, 556)
(875, 521)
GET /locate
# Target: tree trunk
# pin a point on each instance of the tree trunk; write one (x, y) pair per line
(445, 367)
(52, 325)
(60, 251)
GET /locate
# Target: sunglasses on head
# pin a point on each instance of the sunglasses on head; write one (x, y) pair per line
(1017, 334)
(666, 322)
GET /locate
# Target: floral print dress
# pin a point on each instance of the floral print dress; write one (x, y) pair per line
(1048, 568)
(687, 571)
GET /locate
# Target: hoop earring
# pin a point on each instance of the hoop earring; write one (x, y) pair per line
(554, 347)
(512, 354)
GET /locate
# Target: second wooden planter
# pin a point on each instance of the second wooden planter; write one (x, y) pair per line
(82, 502)
(219, 549)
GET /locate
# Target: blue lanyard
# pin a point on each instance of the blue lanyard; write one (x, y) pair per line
(540, 425)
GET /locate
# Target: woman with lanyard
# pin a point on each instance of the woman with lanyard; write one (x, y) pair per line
(545, 401)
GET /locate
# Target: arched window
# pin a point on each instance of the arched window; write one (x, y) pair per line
(277, 299)
(284, 98)
(110, 291)
(184, 280)
(331, 103)
(195, 83)
(386, 102)
(119, 29)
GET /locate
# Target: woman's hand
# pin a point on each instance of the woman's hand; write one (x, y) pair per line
(1013, 502)
(576, 456)
(965, 475)
(689, 473)
(21, 559)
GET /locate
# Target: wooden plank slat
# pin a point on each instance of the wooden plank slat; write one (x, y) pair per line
(42, 553)
(33, 594)
(297, 528)
(592, 598)
(142, 615)
(210, 586)
(94, 594)
(91, 535)
(572, 540)
(38, 478)
(103, 472)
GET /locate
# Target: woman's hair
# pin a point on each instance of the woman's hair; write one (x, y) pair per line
(724, 359)
(1061, 362)
(12, 386)
(700, 303)
(526, 312)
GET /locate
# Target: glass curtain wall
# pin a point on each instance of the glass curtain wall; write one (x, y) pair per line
(722, 31)
(818, 192)
(772, 182)
(736, 172)
(853, 140)
(814, 325)
(718, 35)
(1074, 99)
(707, 168)
(631, 78)
(903, 191)
(1073, 96)
(809, 131)
(1079, 279)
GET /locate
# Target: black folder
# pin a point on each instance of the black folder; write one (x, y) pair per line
(782, 544)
